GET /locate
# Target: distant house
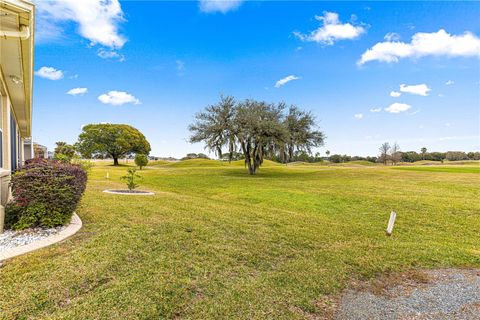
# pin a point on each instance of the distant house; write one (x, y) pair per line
(16, 78)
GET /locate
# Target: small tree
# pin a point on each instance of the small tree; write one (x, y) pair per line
(396, 155)
(424, 152)
(141, 160)
(64, 151)
(384, 150)
(130, 178)
(336, 158)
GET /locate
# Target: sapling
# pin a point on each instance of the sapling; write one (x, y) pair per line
(130, 178)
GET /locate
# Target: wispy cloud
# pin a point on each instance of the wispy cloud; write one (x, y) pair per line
(98, 20)
(423, 44)
(358, 116)
(449, 82)
(110, 54)
(180, 67)
(392, 36)
(118, 98)
(395, 94)
(285, 80)
(458, 138)
(332, 30)
(397, 107)
(223, 6)
(49, 73)
(375, 109)
(419, 89)
(77, 91)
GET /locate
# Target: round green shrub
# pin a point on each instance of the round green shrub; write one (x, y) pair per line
(45, 194)
(141, 160)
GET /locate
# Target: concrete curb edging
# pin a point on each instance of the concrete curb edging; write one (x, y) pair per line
(143, 193)
(71, 229)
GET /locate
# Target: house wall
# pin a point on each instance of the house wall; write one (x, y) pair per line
(6, 130)
(16, 60)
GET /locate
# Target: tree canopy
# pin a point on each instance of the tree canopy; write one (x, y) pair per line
(141, 160)
(64, 150)
(257, 129)
(111, 140)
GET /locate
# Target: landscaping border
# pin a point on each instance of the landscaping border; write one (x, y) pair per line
(142, 193)
(71, 229)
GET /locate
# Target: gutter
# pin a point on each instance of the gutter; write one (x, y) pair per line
(23, 34)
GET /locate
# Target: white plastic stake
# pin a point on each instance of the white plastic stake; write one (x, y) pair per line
(391, 222)
(108, 175)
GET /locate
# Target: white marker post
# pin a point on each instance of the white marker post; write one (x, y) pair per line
(108, 176)
(391, 222)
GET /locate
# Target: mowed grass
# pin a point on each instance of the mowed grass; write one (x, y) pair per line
(456, 169)
(216, 243)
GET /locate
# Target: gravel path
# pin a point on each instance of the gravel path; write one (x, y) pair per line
(10, 238)
(448, 294)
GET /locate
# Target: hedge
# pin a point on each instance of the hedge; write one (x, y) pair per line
(45, 194)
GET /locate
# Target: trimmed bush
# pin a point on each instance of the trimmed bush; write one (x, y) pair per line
(45, 194)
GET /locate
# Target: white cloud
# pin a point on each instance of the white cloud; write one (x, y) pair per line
(358, 116)
(398, 107)
(419, 89)
(49, 73)
(110, 54)
(77, 91)
(117, 98)
(375, 109)
(395, 94)
(449, 82)
(332, 30)
(392, 36)
(423, 44)
(285, 80)
(222, 6)
(97, 20)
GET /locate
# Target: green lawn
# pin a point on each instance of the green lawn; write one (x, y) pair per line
(216, 243)
(455, 169)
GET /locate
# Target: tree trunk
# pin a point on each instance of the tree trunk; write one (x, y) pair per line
(115, 161)
(251, 169)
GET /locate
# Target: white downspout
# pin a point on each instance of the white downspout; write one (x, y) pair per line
(23, 34)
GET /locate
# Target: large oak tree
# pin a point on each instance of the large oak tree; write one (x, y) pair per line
(256, 129)
(111, 140)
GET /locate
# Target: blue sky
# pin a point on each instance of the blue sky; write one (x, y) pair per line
(154, 64)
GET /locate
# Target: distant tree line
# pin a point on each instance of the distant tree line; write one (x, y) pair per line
(256, 129)
(412, 156)
(338, 158)
(392, 154)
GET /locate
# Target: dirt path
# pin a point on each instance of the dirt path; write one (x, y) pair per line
(434, 294)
